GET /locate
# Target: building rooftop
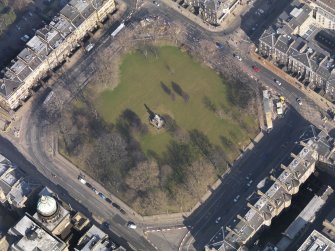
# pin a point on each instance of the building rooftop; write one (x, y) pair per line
(31, 237)
(45, 40)
(94, 239)
(79, 221)
(19, 193)
(306, 216)
(317, 242)
(14, 187)
(84, 7)
(275, 194)
(62, 25)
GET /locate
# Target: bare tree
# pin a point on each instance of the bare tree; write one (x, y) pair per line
(143, 176)
(200, 174)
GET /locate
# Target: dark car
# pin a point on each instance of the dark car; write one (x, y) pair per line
(102, 196)
(116, 205)
(122, 211)
(89, 185)
(219, 45)
(108, 200)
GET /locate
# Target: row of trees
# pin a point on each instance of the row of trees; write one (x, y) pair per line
(7, 16)
(111, 154)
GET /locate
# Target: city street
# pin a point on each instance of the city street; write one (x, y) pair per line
(34, 152)
(267, 154)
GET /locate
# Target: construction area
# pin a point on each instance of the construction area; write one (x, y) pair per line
(274, 107)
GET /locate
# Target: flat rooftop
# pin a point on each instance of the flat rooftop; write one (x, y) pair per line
(93, 239)
(32, 237)
(317, 242)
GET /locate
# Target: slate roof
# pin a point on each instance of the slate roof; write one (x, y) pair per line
(269, 37)
(45, 40)
(8, 86)
(275, 192)
(283, 43)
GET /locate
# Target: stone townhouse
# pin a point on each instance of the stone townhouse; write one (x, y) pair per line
(49, 48)
(213, 11)
(324, 13)
(302, 47)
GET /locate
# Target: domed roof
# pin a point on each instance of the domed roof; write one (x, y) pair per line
(46, 206)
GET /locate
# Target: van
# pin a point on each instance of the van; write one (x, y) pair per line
(82, 180)
(89, 47)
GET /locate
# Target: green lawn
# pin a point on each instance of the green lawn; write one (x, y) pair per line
(140, 83)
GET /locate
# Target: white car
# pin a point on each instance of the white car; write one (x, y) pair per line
(89, 47)
(278, 82)
(236, 198)
(82, 180)
(299, 101)
(217, 220)
(238, 57)
(249, 183)
(131, 225)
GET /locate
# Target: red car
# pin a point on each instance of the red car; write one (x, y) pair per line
(256, 69)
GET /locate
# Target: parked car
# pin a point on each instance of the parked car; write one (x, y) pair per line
(116, 206)
(237, 57)
(108, 200)
(299, 101)
(83, 181)
(131, 225)
(122, 211)
(102, 196)
(89, 47)
(95, 190)
(89, 185)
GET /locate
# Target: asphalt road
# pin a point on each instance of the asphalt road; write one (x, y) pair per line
(268, 153)
(202, 226)
(60, 178)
